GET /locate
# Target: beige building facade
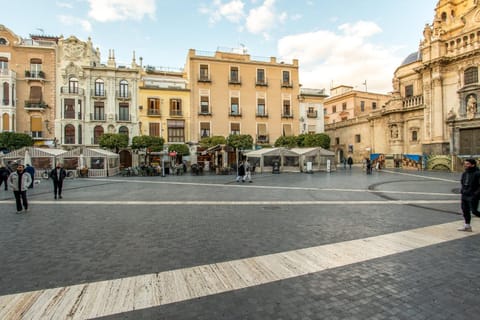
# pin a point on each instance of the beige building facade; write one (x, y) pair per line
(232, 93)
(311, 120)
(27, 78)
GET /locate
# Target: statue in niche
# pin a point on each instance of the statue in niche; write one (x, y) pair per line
(427, 33)
(471, 107)
(394, 132)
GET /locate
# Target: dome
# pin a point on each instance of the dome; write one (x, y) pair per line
(412, 57)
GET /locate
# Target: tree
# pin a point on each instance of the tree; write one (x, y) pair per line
(114, 141)
(147, 143)
(317, 140)
(10, 141)
(287, 141)
(212, 141)
(181, 149)
(240, 141)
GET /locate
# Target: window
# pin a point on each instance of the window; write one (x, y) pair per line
(36, 127)
(6, 94)
(287, 130)
(80, 138)
(334, 109)
(97, 132)
(99, 88)
(70, 134)
(69, 109)
(337, 140)
(123, 130)
(261, 76)
(286, 78)
(153, 107)
(344, 106)
(154, 129)
(123, 93)
(414, 135)
(357, 138)
(350, 148)
(204, 129)
(374, 105)
(234, 128)
(362, 106)
(471, 75)
(73, 85)
(123, 112)
(175, 107)
(286, 108)
(36, 68)
(204, 76)
(409, 91)
(3, 63)
(204, 105)
(261, 107)
(98, 111)
(262, 135)
(176, 130)
(3, 41)
(234, 106)
(234, 78)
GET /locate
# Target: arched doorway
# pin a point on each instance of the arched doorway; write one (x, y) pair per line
(125, 159)
(340, 155)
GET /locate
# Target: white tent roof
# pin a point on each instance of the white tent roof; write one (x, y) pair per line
(35, 152)
(89, 152)
(270, 152)
(312, 151)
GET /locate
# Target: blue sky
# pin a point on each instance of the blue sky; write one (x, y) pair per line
(336, 42)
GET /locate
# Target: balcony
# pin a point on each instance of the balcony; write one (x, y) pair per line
(287, 116)
(34, 75)
(204, 113)
(99, 94)
(33, 105)
(123, 95)
(75, 91)
(97, 117)
(261, 115)
(261, 83)
(235, 114)
(153, 113)
(312, 114)
(235, 81)
(204, 78)
(176, 113)
(123, 118)
(287, 84)
(414, 101)
(263, 139)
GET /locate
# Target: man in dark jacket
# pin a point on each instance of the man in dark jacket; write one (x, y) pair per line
(58, 174)
(470, 190)
(4, 173)
(31, 171)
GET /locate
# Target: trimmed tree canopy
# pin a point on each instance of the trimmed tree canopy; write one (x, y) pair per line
(12, 141)
(115, 141)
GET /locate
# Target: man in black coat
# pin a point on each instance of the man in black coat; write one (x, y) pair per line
(58, 174)
(4, 173)
(470, 191)
(31, 171)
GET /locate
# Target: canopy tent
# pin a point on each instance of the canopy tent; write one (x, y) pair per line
(265, 159)
(99, 162)
(40, 158)
(317, 156)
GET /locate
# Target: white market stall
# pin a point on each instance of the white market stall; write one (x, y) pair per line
(317, 156)
(41, 159)
(91, 162)
(264, 159)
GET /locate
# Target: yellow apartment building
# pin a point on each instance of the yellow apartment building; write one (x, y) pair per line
(164, 105)
(27, 77)
(234, 93)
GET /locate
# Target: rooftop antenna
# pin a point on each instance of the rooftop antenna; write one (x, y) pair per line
(365, 84)
(244, 49)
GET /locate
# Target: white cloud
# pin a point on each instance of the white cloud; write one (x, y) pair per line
(73, 21)
(119, 10)
(64, 5)
(231, 11)
(264, 18)
(343, 57)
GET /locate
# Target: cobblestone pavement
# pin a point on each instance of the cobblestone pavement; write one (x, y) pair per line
(123, 227)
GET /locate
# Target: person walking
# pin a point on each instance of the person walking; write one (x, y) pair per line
(248, 174)
(241, 172)
(350, 162)
(58, 174)
(31, 171)
(4, 173)
(19, 181)
(470, 190)
(369, 166)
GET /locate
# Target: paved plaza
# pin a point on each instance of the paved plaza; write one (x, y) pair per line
(340, 245)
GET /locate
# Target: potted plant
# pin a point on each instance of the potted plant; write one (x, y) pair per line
(41, 74)
(27, 73)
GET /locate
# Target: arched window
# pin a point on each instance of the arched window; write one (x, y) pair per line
(5, 122)
(470, 75)
(3, 41)
(123, 130)
(414, 135)
(36, 68)
(99, 88)
(73, 85)
(123, 92)
(444, 16)
(69, 134)
(97, 132)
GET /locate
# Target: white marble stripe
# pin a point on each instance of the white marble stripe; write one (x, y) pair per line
(109, 297)
(239, 203)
